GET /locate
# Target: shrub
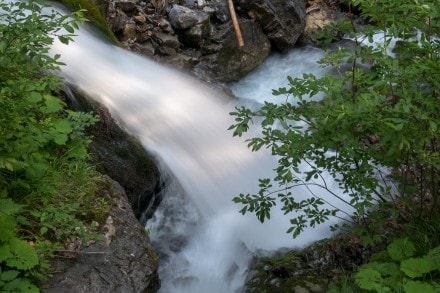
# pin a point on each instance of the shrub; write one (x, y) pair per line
(382, 113)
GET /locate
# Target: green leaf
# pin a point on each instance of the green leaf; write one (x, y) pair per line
(60, 138)
(417, 267)
(7, 228)
(9, 275)
(12, 286)
(61, 129)
(434, 256)
(401, 249)
(63, 126)
(35, 97)
(68, 28)
(77, 150)
(26, 285)
(64, 40)
(43, 230)
(23, 256)
(418, 287)
(385, 269)
(5, 252)
(8, 207)
(52, 104)
(370, 279)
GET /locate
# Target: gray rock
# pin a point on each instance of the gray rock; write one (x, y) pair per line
(181, 61)
(165, 25)
(166, 40)
(129, 32)
(232, 62)
(114, 150)
(218, 10)
(194, 36)
(123, 261)
(189, 3)
(140, 18)
(282, 20)
(126, 5)
(117, 20)
(146, 48)
(201, 3)
(182, 17)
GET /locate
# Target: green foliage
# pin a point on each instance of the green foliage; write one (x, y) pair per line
(379, 112)
(16, 255)
(400, 271)
(47, 188)
(33, 124)
(401, 249)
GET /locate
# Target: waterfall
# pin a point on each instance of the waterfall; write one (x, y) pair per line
(204, 243)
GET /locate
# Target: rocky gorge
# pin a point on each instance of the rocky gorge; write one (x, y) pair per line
(195, 36)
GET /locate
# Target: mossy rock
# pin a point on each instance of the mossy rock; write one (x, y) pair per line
(314, 268)
(95, 13)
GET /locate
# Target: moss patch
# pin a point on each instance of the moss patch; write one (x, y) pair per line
(94, 14)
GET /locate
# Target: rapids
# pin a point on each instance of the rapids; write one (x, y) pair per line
(204, 243)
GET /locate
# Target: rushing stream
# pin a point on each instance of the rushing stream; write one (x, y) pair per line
(204, 243)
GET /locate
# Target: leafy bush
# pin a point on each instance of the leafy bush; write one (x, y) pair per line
(47, 188)
(379, 112)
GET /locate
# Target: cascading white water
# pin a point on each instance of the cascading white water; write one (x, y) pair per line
(205, 244)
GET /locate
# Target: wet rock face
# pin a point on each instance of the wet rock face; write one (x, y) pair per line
(120, 156)
(282, 21)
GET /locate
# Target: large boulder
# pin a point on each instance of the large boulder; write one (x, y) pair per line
(123, 261)
(282, 20)
(226, 61)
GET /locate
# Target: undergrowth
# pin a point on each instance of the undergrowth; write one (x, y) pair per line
(48, 190)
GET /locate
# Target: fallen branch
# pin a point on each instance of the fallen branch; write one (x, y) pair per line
(235, 24)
